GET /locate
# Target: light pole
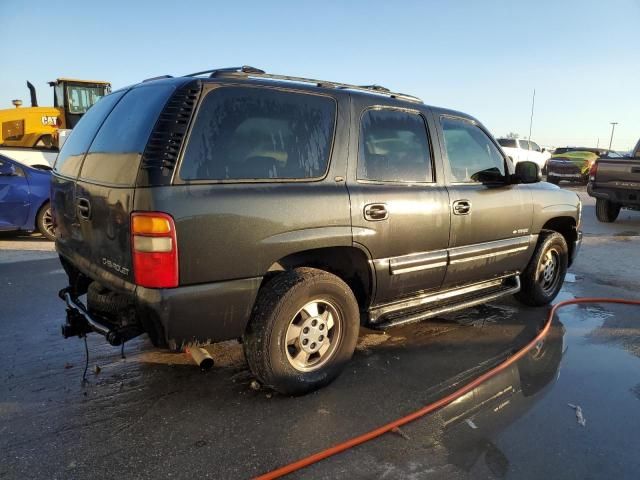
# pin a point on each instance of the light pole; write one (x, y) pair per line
(533, 102)
(613, 127)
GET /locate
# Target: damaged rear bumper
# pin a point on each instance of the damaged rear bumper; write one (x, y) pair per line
(80, 321)
(173, 318)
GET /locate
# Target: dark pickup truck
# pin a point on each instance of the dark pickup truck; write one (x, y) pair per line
(615, 183)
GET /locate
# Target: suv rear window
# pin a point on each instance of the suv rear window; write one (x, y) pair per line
(259, 134)
(73, 150)
(114, 155)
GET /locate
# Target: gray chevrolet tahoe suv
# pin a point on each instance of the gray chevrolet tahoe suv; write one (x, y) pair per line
(286, 212)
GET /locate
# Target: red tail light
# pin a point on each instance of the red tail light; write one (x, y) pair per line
(592, 171)
(154, 250)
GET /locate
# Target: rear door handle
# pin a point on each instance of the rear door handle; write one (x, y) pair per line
(375, 212)
(84, 208)
(461, 207)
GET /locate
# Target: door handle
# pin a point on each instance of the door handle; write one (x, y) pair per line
(461, 207)
(375, 212)
(84, 208)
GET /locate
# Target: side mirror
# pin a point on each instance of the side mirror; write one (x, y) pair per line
(527, 172)
(7, 170)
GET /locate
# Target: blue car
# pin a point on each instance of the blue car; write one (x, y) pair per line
(24, 198)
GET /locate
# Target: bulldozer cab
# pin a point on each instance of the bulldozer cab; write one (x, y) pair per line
(74, 97)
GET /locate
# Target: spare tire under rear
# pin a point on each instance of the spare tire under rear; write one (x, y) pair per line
(103, 300)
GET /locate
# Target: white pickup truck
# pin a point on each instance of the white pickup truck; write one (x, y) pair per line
(30, 156)
(520, 150)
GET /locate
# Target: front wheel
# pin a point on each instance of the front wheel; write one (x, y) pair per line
(44, 222)
(606, 211)
(553, 180)
(542, 280)
(303, 331)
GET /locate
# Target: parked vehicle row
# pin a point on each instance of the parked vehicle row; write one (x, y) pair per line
(287, 212)
(520, 150)
(573, 163)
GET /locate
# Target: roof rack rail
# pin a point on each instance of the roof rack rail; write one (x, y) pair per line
(247, 71)
(379, 88)
(160, 77)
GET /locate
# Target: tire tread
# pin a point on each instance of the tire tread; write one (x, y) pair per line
(272, 299)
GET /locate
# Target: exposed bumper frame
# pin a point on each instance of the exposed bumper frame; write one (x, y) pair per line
(79, 322)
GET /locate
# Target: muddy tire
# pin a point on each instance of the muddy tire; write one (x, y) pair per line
(542, 279)
(303, 331)
(104, 301)
(44, 222)
(606, 211)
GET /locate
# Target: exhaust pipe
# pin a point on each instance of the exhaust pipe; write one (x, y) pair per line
(32, 91)
(201, 357)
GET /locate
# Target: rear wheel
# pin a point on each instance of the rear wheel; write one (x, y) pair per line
(542, 280)
(303, 331)
(606, 211)
(44, 222)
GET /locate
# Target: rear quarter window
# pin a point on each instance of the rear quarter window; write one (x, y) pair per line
(259, 134)
(114, 155)
(72, 152)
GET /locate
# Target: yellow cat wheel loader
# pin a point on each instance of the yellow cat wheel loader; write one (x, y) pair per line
(40, 127)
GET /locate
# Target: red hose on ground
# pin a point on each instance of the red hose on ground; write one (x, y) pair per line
(365, 437)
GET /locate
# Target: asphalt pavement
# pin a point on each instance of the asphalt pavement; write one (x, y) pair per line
(153, 414)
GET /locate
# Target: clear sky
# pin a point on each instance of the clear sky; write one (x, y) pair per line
(481, 57)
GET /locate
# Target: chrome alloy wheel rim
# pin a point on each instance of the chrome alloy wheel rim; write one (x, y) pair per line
(47, 222)
(549, 270)
(313, 335)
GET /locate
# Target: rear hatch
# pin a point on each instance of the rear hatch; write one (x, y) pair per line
(95, 178)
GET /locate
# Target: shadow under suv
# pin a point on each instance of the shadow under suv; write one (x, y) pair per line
(287, 212)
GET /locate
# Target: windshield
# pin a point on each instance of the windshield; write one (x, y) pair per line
(80, 98)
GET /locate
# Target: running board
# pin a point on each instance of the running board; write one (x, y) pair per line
(427, 306)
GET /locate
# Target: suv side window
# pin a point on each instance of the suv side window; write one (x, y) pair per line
(535, 147)
(473, 157)
(394, 147)
(524, 145)
(260, 134)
